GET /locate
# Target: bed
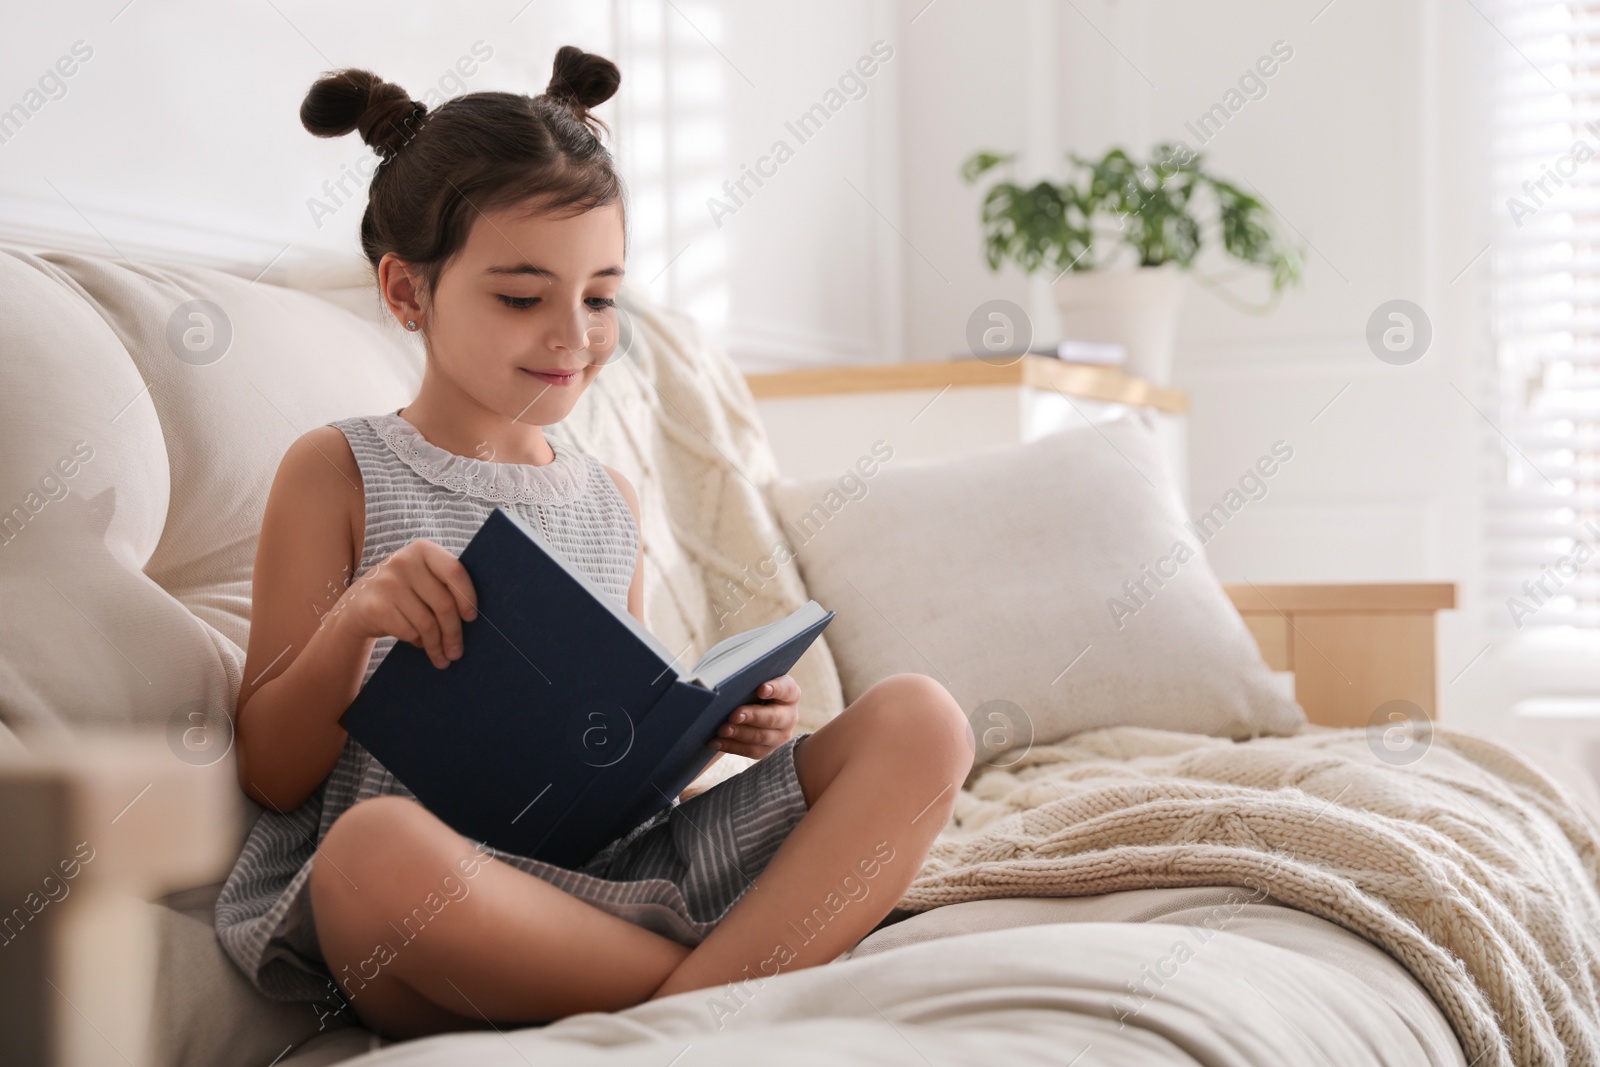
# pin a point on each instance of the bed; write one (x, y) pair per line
(1171, 865)
(1185, 940)
(1033, 981)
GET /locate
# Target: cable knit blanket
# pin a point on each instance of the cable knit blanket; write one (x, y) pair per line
(1469, 866)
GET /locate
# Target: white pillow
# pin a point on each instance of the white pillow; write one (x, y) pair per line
(1000, 573)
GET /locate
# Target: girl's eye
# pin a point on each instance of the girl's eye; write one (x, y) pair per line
(596, 303)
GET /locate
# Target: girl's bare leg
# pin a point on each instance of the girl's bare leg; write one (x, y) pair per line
(418, 947)
(881, 780)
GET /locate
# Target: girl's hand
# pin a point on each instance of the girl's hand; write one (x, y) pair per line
(756, 729)
(418, 594)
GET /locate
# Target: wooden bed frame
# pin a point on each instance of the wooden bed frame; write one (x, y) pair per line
(1352, 648)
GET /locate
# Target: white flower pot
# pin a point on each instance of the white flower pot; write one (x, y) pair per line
(1137, 309)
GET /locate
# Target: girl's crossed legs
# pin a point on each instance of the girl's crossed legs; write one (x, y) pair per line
(881, 776)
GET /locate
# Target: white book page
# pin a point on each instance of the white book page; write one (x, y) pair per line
(728, 657)
(728, 644)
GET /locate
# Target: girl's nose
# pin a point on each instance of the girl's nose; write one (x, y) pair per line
(599, 336)
(574, 332)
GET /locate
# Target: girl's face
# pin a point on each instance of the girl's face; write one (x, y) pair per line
(524, 316)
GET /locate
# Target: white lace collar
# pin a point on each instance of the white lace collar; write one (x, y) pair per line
(557, 482)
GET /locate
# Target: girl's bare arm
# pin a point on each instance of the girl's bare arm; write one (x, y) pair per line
(313, 629)
(303, 667)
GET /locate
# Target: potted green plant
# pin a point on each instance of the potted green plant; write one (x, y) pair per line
(1085, 229)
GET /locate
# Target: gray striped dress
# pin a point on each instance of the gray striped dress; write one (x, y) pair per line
(677, 873)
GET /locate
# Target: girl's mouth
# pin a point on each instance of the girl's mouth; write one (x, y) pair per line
(552, 378)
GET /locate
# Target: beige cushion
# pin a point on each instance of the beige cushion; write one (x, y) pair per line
(84, 490)
(993, 573)
(140, 572)
(294, 362)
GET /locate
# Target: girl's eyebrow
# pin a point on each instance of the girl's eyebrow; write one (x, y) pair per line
(540, 272)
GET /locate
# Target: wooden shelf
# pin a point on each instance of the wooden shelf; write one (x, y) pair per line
(1089, 381)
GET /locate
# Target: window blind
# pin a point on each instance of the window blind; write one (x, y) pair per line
(1543, 505)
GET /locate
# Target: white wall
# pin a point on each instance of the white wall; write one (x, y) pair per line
(182, 130)
(1366, 144)
(179, 138)
(797, 266)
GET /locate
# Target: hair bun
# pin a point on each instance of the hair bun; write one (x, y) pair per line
(582, 80)
(352, 99)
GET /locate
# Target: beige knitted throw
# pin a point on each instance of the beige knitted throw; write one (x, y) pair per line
(1473, 869)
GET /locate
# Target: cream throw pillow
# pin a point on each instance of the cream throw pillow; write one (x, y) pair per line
(1029, 580)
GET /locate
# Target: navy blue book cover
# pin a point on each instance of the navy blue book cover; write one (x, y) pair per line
(669, 751)
(553, 695)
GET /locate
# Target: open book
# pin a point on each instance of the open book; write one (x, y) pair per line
(566, 722)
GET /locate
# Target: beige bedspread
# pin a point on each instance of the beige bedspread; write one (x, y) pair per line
(1262, 986)
(1469, 866)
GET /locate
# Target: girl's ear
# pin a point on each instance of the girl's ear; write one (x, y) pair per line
(400, 290)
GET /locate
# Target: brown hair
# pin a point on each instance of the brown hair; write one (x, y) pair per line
(471, 154)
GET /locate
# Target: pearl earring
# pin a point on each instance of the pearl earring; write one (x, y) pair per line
(410, 325)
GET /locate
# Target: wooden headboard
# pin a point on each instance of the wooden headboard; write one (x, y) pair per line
(1352, 648)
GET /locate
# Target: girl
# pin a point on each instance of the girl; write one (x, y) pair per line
(495, 224)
